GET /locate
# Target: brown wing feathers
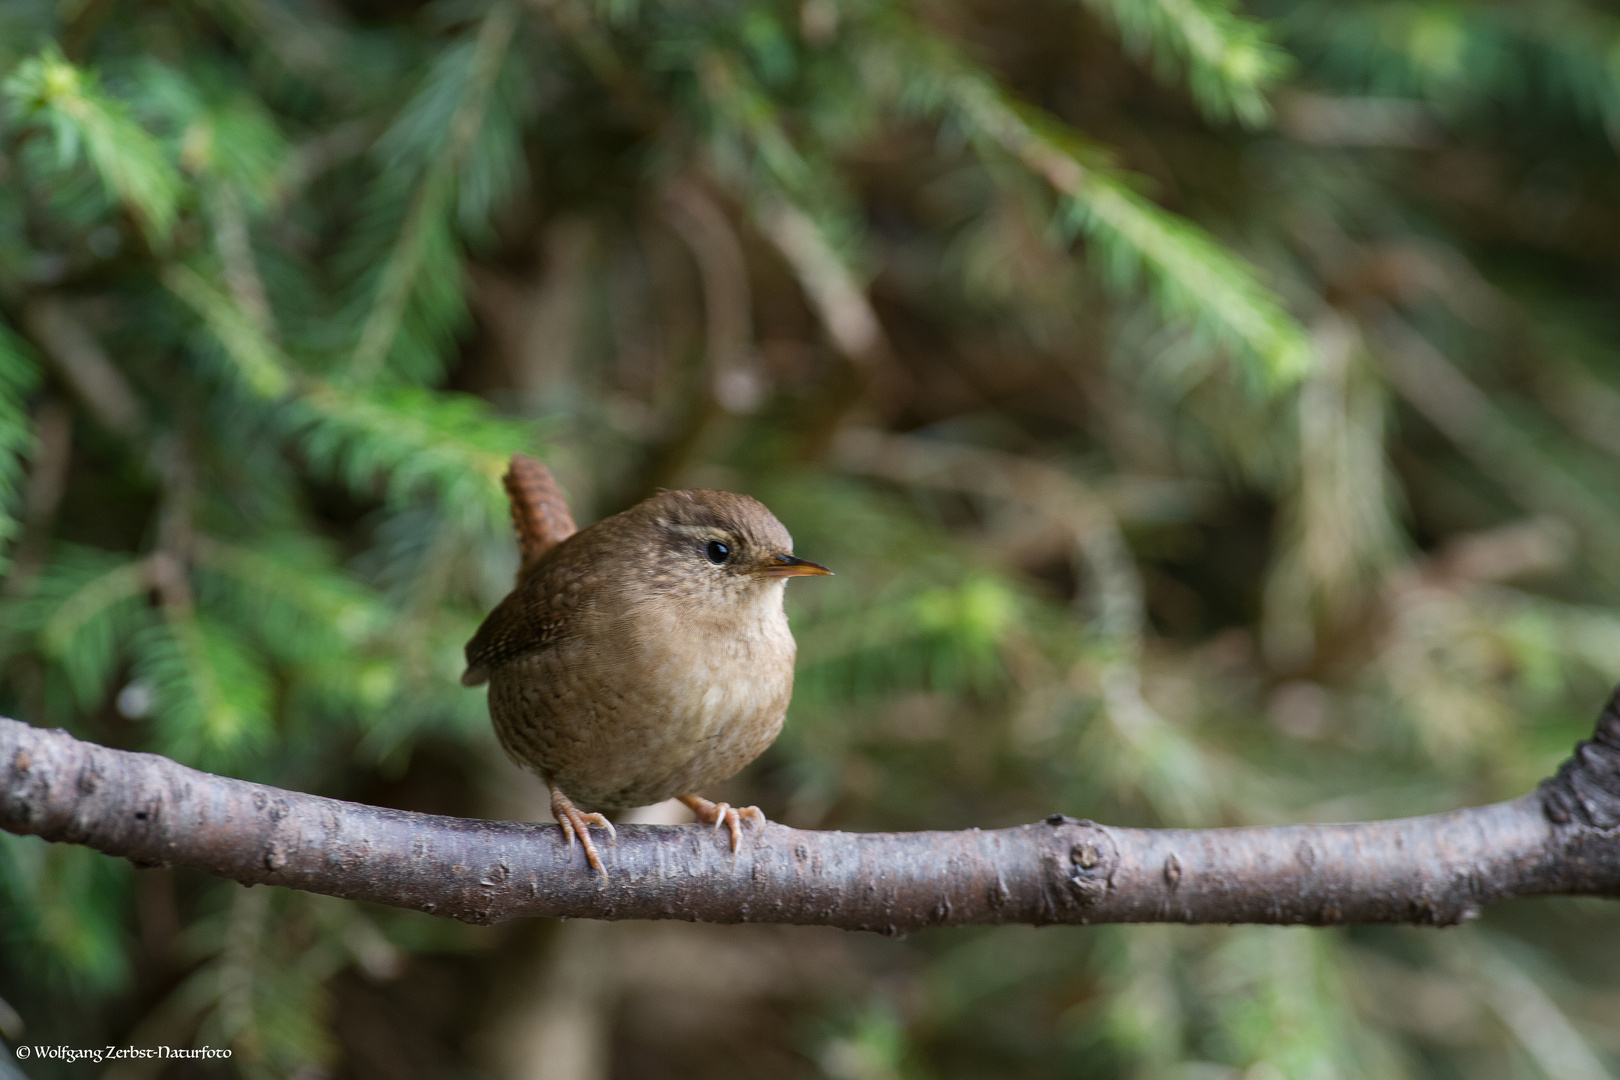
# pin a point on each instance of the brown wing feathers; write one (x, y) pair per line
(539, 511)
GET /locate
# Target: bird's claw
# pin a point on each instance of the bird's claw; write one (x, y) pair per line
(718, 814)
(577, 823)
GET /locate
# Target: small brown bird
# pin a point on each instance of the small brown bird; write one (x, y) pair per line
(644, 657)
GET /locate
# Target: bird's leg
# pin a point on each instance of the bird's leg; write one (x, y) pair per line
(576, 822)
(717, 814)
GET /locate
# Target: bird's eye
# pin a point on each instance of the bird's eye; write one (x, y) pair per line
(717, 552)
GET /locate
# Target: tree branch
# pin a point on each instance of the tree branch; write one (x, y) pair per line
(1563, 839)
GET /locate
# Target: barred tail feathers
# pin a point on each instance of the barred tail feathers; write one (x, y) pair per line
(539, 512)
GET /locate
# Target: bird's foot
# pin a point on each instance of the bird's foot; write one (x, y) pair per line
(576, 822)
(717, 814)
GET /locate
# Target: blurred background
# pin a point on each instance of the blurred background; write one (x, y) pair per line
(1212, 416)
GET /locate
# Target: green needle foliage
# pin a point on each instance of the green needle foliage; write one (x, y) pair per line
(1229, 61)
(1209, 413)
(18, 377)
(86, 126)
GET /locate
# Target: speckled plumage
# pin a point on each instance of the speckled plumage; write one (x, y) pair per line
(627, 667)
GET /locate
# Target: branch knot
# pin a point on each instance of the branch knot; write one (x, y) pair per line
(1093, 857)
(1586, 789)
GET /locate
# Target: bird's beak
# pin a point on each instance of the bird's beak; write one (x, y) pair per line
(788, 566)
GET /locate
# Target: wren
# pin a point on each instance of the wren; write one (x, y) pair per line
(644, 657)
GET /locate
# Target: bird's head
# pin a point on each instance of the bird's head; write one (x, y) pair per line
(728, 541)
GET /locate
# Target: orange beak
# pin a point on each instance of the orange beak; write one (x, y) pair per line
(788, 566)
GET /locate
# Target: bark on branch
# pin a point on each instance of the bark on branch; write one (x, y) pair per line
(1563, 839)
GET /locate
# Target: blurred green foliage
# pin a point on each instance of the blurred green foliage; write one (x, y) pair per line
(1210, 414)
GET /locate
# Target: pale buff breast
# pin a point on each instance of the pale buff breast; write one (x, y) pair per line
(699, 716)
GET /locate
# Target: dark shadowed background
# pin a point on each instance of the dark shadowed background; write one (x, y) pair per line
(1212, 416)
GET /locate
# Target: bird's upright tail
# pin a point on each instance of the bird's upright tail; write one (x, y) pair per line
(539, 511)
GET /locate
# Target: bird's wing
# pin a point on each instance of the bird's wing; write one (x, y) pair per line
(533, 617)
(539, 511)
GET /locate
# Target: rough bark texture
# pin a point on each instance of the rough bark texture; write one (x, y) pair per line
(1562, 840)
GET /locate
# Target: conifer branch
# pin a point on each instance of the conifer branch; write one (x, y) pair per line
(1230, 60)
(432, 197)
(1439, 870)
